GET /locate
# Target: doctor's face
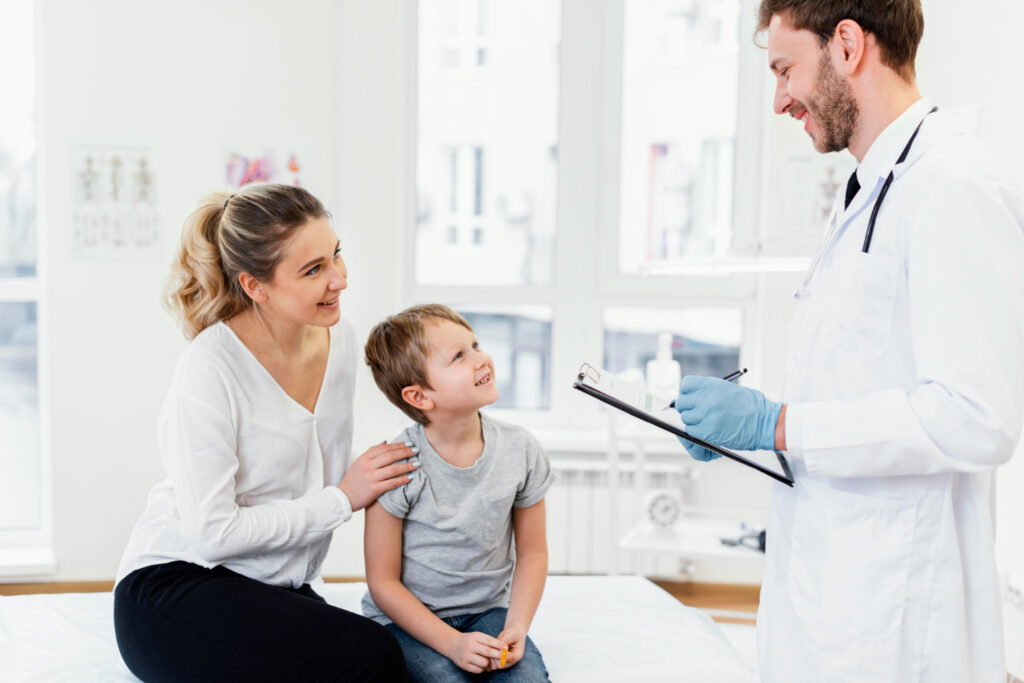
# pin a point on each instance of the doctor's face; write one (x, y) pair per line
(808, 88)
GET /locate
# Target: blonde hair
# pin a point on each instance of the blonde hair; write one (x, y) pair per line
(396, 352)
(226, 235)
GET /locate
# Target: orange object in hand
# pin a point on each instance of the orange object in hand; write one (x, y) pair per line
(503, 658)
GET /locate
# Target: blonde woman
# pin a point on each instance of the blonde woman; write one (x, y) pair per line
(254, 434)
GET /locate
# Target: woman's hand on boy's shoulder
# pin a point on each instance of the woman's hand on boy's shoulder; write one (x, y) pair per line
(376, 471)
(474, 651)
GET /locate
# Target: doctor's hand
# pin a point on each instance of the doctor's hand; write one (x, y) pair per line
(725, 414)
(376, 471)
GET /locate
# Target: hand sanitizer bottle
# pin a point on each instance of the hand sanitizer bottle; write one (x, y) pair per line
(663, 373)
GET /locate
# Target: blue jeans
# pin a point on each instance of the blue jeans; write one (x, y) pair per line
(427, 665)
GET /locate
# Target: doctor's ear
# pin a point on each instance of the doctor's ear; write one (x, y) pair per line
(416, 396)
(253, 287)
(850, 42)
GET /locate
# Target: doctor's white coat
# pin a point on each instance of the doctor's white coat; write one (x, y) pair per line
(905, 389)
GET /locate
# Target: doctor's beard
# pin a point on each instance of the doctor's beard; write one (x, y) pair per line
(833, 108)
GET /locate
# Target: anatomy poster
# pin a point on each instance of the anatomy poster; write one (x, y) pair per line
(244, 167)
(812, 181)
(114, 202)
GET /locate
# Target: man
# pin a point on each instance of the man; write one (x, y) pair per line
(905, 372)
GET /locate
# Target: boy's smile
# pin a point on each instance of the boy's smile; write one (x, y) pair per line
(461, 375)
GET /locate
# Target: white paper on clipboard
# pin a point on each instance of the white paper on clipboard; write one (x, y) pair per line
(633, 400)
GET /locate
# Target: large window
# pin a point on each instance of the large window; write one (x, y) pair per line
(565, 149)
(679, 93)
(22, 511)
(486, 142)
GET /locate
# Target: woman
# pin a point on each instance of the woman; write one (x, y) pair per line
(254, 433)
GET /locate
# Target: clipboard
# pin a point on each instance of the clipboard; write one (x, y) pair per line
(631, 399)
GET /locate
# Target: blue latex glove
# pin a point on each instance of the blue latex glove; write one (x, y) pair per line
(725, 414)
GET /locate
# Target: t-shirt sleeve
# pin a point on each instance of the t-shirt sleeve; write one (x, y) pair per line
(539, 475)
(399, 501)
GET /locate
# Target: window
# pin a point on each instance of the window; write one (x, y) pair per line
(484, 145)
(705, 341)
(679, 95)
(552, 178)
(23, 516)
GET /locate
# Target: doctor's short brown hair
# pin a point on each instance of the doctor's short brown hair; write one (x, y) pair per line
(396, 352)
(897, 25)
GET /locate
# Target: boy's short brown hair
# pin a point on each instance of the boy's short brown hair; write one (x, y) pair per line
(396, 352)
(896, 24)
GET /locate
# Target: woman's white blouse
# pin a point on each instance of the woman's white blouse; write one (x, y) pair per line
(251, 474)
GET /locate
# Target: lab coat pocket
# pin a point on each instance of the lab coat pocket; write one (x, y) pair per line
(864, 311)
(850, 561)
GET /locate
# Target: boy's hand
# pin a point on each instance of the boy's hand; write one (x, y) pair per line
(474, 651)
(376, 471)
(515, 637)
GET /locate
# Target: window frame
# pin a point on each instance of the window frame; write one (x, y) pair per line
(586, 275)
(29, 552)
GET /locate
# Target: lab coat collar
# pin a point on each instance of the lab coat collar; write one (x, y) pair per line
(885, 150)
(943, 123)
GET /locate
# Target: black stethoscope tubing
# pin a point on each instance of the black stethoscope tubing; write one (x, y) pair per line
(887, 183)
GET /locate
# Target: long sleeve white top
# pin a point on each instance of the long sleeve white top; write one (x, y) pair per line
(251, 474)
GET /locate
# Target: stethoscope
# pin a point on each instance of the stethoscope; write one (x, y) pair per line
(833, 222)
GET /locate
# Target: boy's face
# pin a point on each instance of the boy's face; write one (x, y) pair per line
(462, 376)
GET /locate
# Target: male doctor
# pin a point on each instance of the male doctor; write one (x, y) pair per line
(904, 387)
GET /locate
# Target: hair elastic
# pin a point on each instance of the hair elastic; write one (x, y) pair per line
(227, 200)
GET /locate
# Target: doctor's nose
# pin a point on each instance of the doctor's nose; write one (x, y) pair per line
(783, 100)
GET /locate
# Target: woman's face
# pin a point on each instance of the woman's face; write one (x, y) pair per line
(308, 278)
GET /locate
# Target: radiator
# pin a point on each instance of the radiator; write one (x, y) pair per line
(587, 516)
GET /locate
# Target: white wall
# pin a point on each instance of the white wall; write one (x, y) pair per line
(190, 78)
(193, 77)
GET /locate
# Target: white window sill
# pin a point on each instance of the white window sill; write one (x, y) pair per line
(17, 564)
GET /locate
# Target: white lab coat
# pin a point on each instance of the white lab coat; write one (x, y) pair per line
(905, 387)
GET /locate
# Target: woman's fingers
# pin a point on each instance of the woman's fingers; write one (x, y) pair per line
(396, 470)
(393, 483)
(387, 453)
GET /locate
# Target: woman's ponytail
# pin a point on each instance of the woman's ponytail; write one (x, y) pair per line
(225, 236)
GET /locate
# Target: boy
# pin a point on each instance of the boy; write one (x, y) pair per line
(441, 569)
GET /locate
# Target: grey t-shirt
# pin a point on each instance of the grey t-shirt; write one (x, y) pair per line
(457, 552)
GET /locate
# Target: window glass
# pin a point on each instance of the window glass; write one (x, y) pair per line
(705, 341)
(20, 461)
(17, 142)
(680, 80)
(518, 339)
(486, 134)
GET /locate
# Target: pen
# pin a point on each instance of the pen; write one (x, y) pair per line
(728, 378)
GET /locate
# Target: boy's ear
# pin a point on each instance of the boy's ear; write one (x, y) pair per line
(415, 396)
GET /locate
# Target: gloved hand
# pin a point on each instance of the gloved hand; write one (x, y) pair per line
(725, 414)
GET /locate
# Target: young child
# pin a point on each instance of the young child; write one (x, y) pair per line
(442, 573)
